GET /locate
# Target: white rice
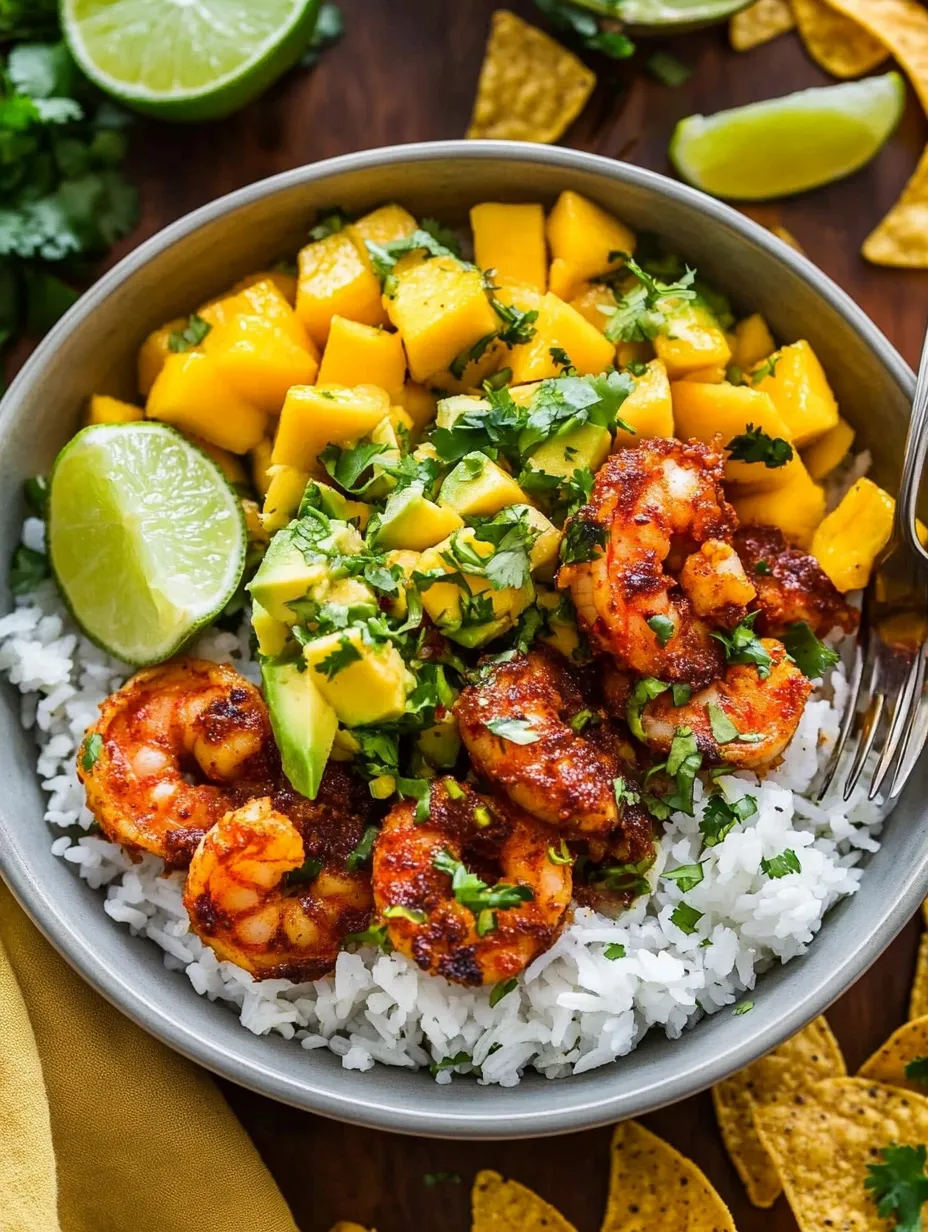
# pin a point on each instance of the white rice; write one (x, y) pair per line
(574, 1009)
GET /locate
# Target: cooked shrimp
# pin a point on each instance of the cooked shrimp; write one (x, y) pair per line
(239, 904)
(765, 712)
(185, 720)
(426, 921)
(560, 775)
(791, 585)
(649, 505)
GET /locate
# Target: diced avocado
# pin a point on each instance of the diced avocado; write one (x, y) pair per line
(303, 722)
(584, 447)
(411, 521)
(479, 486)
(284, 575)
(364, 682)
(544, 552)
(451, 409)
(272, 634)
(319, 495)
(474, 618)
(440, 744)
(384, 434)
(345, 745)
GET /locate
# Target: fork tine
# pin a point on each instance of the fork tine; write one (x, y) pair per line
(900, 724)
(916, 731)
(847, 719)
(871, 719)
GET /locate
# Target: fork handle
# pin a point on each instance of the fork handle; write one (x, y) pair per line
(913, 462)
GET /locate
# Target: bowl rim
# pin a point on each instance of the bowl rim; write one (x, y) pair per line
(364, 1107)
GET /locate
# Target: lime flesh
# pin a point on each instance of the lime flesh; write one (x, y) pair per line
(145, 536)
(787, 145)
(187, 59)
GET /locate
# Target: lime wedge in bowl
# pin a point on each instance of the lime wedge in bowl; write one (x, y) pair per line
(187, 59)
(787, 145)
(145, 536)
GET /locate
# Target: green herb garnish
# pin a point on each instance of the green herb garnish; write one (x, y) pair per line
(614, 950)
(663, 628)
(93, 747)
(191, 335)
(687, 876)
(398, 912)
(503, 989)
(754, 445)
(719, 817)
(779, 866)
(516, 731)
(685, 917)
(362, 852)
(743, 645)
(809, 653)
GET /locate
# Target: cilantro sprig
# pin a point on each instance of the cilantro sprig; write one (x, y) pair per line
(898, 1185)
(755, 445)
(644, 312)
(481, 900)
(743, 645)
(808, 652)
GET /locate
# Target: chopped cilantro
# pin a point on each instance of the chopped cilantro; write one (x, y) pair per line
(459, 1058)
(341, 657)
(767, 368)
(623, 793)
(93, 747)
(623, 878)
(582, 540)
(719, 817)
(516, 731)
(581, 720)
(644, 312)
(754, 445)
(419, 790)
(477, 351)
(645, 690)
(614, 950)
(375, 935)
(35, 491)
(503, 989)
(681, 694)
(637, 367)
(899, 1186)
(762, 569)
(308, 871)
(191, 335)
(685, 917)
(662, 627)
(683, 762)
(442, 235)
(385, 256)
(399, 912)
(349, 466)
(560, 854)
(480, 899)
(561, 358)
(27, 570)
(811, 656)
(783, 864)
(686, 877)
(743, 1007)
(668, 70)
(917, 1071)
(723, 729)
(518, 324)
(362, 851)
(743, 645)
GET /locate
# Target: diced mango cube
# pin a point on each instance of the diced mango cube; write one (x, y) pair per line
(106, 410)
(583, 238)
(851, 538)
(443, 600)
(382, 226)
(419, 404)
(648, 408)
(693, 341)
(801, 393)
(752, 342)
(192, 393)
(704, 411)
(478, 487)
(284, 282)
(633, 353)
(707, 376)
(560, 327)
(154, 351)
(510, 239)
(357, 354)
(590, 298)
(285, 489)
(362, 683)
(823, 455)
(317, 415)
(441, 310)
(796, 508)
(259, 360)
(259, 299)
(335, 280)
(260, 461)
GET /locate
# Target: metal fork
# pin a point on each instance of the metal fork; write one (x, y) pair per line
(891, 654)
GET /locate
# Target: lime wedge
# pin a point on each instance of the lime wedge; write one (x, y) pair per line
(665, 16)
(786, 145)
(145, 536)
(187, 59)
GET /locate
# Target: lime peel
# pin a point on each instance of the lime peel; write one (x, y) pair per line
(146, 538)
(202, 61)
(787, 145)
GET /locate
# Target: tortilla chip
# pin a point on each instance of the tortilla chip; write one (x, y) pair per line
(841, 46)
(652, 1186)
(507, 1206)
(759, 23)
(782, 1077)
(918, 997)
(823, 1145)
(531, 88)
(909, 1043)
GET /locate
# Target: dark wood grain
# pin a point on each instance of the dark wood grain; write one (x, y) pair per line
(406, 71)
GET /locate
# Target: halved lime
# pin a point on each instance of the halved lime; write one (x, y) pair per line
(145, 537)
(187, 59)
(661, 17)
(786, 145)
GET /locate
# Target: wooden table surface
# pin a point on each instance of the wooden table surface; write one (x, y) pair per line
(406, 71)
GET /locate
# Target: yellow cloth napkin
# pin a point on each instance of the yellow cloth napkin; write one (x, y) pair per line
(103, 1129)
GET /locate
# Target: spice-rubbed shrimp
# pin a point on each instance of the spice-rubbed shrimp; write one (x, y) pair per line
(187, 719)
(559, 774)
(239, 903)
(791, 585)
(661, 500)
(468, 935)
(764, 712)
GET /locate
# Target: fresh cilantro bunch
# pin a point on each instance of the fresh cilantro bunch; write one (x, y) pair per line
(899, 1186)
(594, 23)
(62, 195)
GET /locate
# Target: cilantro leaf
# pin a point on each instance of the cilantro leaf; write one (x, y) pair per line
(719, 817)
(779, 866)
(344, 654)
(336, 220)
(613, 951)
(582, 541)
(723, 729)
(686, 877)
(480, 899)
(645, 690)
(93, 747)
(442, 235)
(503, 989)
(518, 323)
(375, 935)
(899, 1185)
(27, 570)
(811, 656)
(743, 1007)
(308, 871)
(754, 445)
(645, 311)
(361, 852)
(767, 368)
(743, 645)
(459, 1058)
(662, 627)
(419, 790)
(685, 917)
(191, 335)
(516, 731)
(681, 693)
(917, 1071)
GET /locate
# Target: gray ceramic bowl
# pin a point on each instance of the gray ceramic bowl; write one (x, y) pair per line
(93, 349)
